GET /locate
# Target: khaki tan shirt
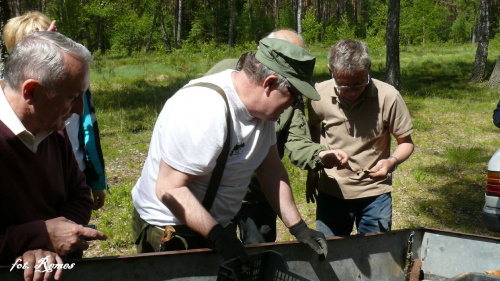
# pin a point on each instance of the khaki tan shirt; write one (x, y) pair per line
(363, 132)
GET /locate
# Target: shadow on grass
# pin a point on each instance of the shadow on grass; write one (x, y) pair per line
(457, 204)
(138, 94)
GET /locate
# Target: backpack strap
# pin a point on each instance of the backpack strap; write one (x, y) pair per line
(216, 177)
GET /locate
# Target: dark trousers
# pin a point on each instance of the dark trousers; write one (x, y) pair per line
(256, 222)
(147, 237)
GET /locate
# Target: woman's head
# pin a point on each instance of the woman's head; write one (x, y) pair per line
(18, 27)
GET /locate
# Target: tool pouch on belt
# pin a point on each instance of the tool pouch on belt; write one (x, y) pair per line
(180, 237)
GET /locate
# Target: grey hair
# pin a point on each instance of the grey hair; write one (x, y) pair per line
(40, 56)
(349, 56)
(258, 72)
(290, 36)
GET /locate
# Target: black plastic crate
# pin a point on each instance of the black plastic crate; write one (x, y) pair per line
(265, 266)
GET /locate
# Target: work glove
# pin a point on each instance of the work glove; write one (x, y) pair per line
(315, 239)
(227, 244)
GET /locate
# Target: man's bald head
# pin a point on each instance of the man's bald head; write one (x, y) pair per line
(288, 35)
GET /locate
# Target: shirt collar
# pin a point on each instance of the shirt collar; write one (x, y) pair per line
(12, 121)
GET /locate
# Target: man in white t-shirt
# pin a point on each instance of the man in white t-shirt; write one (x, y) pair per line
(188, 138)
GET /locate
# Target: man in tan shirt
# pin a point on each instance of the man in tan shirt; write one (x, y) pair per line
(358, 115)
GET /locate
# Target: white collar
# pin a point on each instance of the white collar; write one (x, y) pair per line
(12, 121)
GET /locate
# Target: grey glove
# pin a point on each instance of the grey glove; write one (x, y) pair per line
(315, 239)
(227, 244)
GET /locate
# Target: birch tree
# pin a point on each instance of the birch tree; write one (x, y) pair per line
(482, 46)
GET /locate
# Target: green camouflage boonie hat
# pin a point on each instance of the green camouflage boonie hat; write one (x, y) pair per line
(291, 61)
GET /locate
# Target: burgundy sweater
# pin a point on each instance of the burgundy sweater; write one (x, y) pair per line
(35, 187)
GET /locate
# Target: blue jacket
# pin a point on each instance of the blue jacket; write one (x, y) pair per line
(89, 136)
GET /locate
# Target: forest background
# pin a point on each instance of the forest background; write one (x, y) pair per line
(146, 50)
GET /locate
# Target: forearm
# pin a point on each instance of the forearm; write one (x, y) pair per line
(404, 149)
(20, 238)
(302, 151)
(185, 207)
(172, 189)
(78, 204)
(277, 189)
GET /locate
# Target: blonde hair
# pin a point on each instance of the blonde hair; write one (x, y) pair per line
(18, 27)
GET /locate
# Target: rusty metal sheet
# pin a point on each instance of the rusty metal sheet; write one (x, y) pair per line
(380, 256)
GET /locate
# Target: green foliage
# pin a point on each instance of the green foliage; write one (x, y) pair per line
(311, 28)
(125, 24)
(287, 18)
(461, 28)
(422, 21)
(376, 29)
(344, 30)
(252, 25)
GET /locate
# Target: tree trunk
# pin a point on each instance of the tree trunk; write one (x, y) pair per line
(299, 17)
(276, 14)
(340, 5)
(130, 41)
(176, 15)
(495, 75)
(100, 36)
(87, 36)
(17, 7)
(155, 14)
(179, 26)
(474, 27)
(217, 24)
(4, 17)
(166, 39)
(482, 47)
(392, 70)
(232, 24)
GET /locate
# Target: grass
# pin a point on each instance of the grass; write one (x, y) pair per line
(440, 186)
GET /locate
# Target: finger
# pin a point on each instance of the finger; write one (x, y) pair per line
(91, 234)
(323, 245)
(52, 26)
(378, 174)
(315, 246)
(39, 265)
(58, 273)
(48, 271)
(100, 203)
(82, 244)
(29, 258)
(351, 168)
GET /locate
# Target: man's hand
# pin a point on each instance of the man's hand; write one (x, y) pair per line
(335, 158)
(312, 186)
(382, 168)
(227, 244)
(99, 197)
(315, 239)
(67, 236)
(38, 264)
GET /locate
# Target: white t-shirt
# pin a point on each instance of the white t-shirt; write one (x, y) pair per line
(189, 135)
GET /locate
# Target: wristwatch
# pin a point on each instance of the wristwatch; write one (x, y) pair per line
(397, 162)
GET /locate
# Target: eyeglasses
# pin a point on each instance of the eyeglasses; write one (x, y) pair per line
(351, 87)
(297, 96)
